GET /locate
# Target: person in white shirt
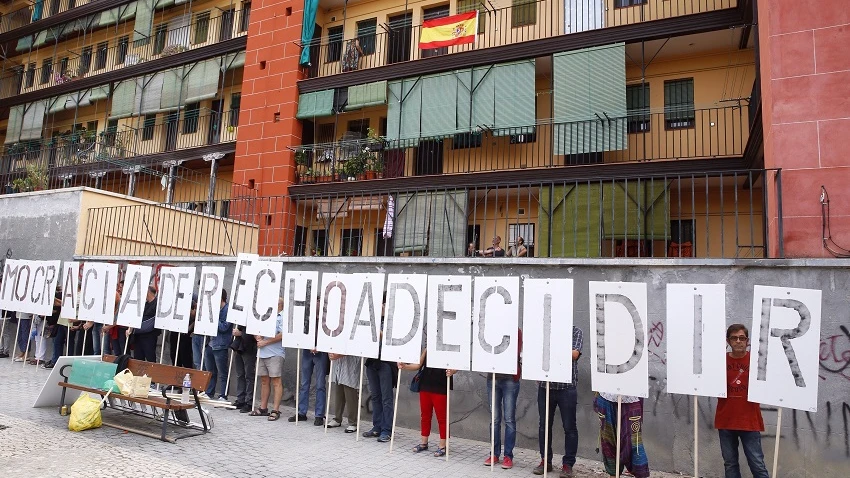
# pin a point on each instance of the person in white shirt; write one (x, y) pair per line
(271, 355)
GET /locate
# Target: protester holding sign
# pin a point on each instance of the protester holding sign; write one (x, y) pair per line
(270, 369)
(736, 418)
(382, 381)
(144, 338)
(346, 379)
(507, 391)
(632, 454)
(244, 348)
(313, 363)
(216, 359)
(433, 389)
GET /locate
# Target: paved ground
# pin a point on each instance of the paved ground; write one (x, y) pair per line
(36, 442)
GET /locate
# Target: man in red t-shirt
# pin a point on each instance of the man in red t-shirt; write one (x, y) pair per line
(736, 418)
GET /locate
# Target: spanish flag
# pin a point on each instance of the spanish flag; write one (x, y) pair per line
(447, 31)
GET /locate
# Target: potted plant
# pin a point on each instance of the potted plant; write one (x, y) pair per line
(21, 185)
(37, 177)
(307, 177)
(355, 166)
(301, 159)
(375, 167)
(373, 141)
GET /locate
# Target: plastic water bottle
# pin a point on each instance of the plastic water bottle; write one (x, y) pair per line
(187, 385)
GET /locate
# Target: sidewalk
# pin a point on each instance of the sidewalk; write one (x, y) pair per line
(36, 442)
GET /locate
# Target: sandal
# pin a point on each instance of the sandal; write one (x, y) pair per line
(440, 452)
(259, 412)
(274, 415)
(420, 447)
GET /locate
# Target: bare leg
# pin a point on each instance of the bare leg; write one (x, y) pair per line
(278, 392)
(264, 392)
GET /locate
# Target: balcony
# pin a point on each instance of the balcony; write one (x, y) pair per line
(694, 134)
(396, 41)
(91, 61)
(38, 10)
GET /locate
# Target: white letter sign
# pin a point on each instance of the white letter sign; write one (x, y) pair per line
(364, 338)
(209, 300)
(547, 327)
(449, 316)
(70, 290)
(97, 293)
(242, 291)
(405, 314)
(132, 304)
(262, 313)
(300, 294)
(495, 324)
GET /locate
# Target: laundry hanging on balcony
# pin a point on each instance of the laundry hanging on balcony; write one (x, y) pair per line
(457, 29)
(388, 221)
(307, 27)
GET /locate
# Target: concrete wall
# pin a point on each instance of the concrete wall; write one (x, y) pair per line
(812, 445)
(39, 225)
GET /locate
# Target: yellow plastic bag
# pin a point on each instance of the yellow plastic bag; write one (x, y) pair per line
(85, 413)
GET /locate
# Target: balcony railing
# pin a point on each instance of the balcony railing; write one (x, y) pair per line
(92, 61)
(692, 134)
(38, 10)
(523, 21)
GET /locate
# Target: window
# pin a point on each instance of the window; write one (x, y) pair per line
(523, 12)
(319, 245)
(366, 33)
(430, 14)
(159, 39)
(464, 6)
(679, 103)
(149, 126)
(91, 126)
(325, 133)
(637, 104)
(111, 132)
(202, 27)
(246, 17)
(334, 44)
(526, 231)
(30, 75)
(190, 118)
(352, 242)
(466, 140)
(628, 3)
(46, 70)
(360, 126)
(100, 59)
(63, 65)
(85, 60)
(235, 104)
(123, 46)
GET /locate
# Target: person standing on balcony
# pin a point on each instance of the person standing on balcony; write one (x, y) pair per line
(351, 57)
(507, 391)
(495, 250)
(737, 419)
(518, 249)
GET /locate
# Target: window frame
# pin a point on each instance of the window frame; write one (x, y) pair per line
(368, 40)
(639, 119)
(235, 105)
(46, 71)
(159, 37)
(122, 50)
(682, 114)
(523, 13)
(148, 126)
(30, 75)
(335, 43)
(201, 23)
(101, 56)
(629, 3)
(466, 6)
(85, 60)
(245, 19)
(191, 116)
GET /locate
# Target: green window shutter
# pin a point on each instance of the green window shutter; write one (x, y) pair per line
(164, 3)
(16, 120)
(411, 111)
(59, 103)
(590, 84)
(448, 226)
(483, 97)
(515, 97)
(99, 93)
(315, 105)
(412, 221)
(370, 94)
(144, 19)
(33, 120)
(438, 105)
(24, 43)
(393, 110)
(40, 39)
(569, 215)
(464, 100)
(128, 11)
(109, 17)
(636, 209)
(202, 80)
(151, 93)
(172, 89)
(122, 99)
(234, 60)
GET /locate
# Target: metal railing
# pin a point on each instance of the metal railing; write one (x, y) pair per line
(37, 10)
(89, 61)
(693, 134)
(705, 215)
(397, 41)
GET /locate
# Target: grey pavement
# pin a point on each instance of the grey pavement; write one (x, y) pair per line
(36, 442)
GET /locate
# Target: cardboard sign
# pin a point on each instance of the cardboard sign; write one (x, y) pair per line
(29, 286)
(784, 345)
(300, 307)
(547, 330)
(262, 314)
(132, 304)
(618, 355)
(365, 329)
(449, 322)
(209, 300)
(174, 299)
(97, 292)
(70, 290)
(696, 339)
(495, 324)
(405, 317)
(241, 292)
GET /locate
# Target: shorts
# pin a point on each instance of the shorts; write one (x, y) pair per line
(270, 367)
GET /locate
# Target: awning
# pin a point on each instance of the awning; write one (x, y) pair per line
(144, 20)
(370, 94)
(316, 104)
(13, 129)
(99, 93)
(122, 99)
(234, 60)
(202, 80)
(172, 88)
(33, 121)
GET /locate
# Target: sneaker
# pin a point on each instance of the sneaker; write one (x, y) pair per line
(507, 463)
(538, 470)
(18, 359)
(566, 472)
(203, 395)
(299, 417)
(350, 429)
(383, 438)
(319, 421)
(333, 423)
(47, 365)
(245, 409)
(491, 460)
(4, 355)
(373, 433)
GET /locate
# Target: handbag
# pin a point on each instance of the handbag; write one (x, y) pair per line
(131, 385)
(416, 382)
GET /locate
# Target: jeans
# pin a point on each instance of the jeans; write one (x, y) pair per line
(96, 338)
(313, 364)
(245, 365)
(59, 343)
(117, 345)
(144, 347)
(197, 350)
(23, 335)
(8, 336)
(751, 442)
(566, 400)
(216, 362)
(380, 376)
(507, 391)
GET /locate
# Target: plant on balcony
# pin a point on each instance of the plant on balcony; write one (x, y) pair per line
(375, 167)
(308, 176)
(37, 177)
(355, 166)
(21, 185)
(64, 78)
(373, 141)
(173, 50)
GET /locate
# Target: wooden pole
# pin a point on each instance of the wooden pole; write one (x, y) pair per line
(696, 439)
(15, 343)
(395, 411)
(254, 394)
(297, 382)
(102, 343)
(83, 350)
(3, 326)
(619, 420)
(229, 368)
(492, 422)
(360, 399)
(41, 339)
(546, 435)
(203, 351)
(67, 338)
(328, 395)
(177, 352)
(448, 413)
(776, 443)
(165, 338)
(126, 340)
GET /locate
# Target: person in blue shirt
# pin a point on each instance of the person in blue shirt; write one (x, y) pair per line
(216, 357)
(271, 354)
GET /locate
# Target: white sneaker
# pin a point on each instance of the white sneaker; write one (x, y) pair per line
(350, 429)
(334, 424)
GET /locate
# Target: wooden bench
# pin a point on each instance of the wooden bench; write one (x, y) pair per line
(164, 375)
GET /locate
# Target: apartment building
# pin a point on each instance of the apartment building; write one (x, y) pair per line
(590, 128)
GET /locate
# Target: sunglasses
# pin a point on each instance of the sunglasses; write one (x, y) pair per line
(738, 338)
